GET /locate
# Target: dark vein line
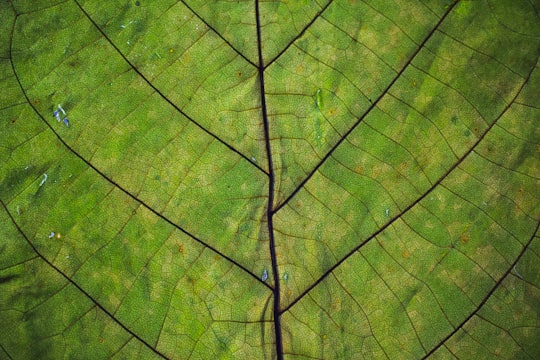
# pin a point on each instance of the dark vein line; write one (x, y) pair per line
(50, 296)
(115, 184)
(497, 18)
(533, 5)
(508, 332)
(417, 277)
(119, 187)
(229, 44)
(70, 281)
(5, 352)
(77, 219)
(396, 296)
(487, 297)
(300, 34)
(364, 312)
(11, 105)
(478, 51)
(271, 185)
(481, 345)
(503, 163)
(382, 13)
(119, 350)
(149, 83)
(417, 201)
(368, 111)
(19, 263)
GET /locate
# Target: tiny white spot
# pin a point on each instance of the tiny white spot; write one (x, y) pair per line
(253, 158)
(518, 274)
(18, 210)
(318, 99)
(124, 26)
(387, 212)
(285, 276)
(61, 109)
(264, 276)
(45, 177)
(51, 235)
(67, 256)
(26, 167)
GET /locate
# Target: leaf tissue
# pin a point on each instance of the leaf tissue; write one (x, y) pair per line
(270, 179)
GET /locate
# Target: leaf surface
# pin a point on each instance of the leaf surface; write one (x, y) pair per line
(300, 180)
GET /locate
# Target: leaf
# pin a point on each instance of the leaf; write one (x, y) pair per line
(258, 180)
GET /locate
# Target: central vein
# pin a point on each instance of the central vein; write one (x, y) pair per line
(271, 184)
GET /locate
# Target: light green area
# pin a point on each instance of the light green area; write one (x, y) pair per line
(140, 231)
(341, 64)
(219, 95)
(45, 316)
(281, 22)
(502, 327)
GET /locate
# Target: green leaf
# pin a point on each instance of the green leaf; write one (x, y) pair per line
(270, 180)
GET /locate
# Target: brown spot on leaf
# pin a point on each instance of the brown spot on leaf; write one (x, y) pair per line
(402, 167)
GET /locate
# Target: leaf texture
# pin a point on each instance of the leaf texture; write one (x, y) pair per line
(270, 180)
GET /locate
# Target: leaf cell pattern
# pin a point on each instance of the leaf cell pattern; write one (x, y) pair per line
(277, 179)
